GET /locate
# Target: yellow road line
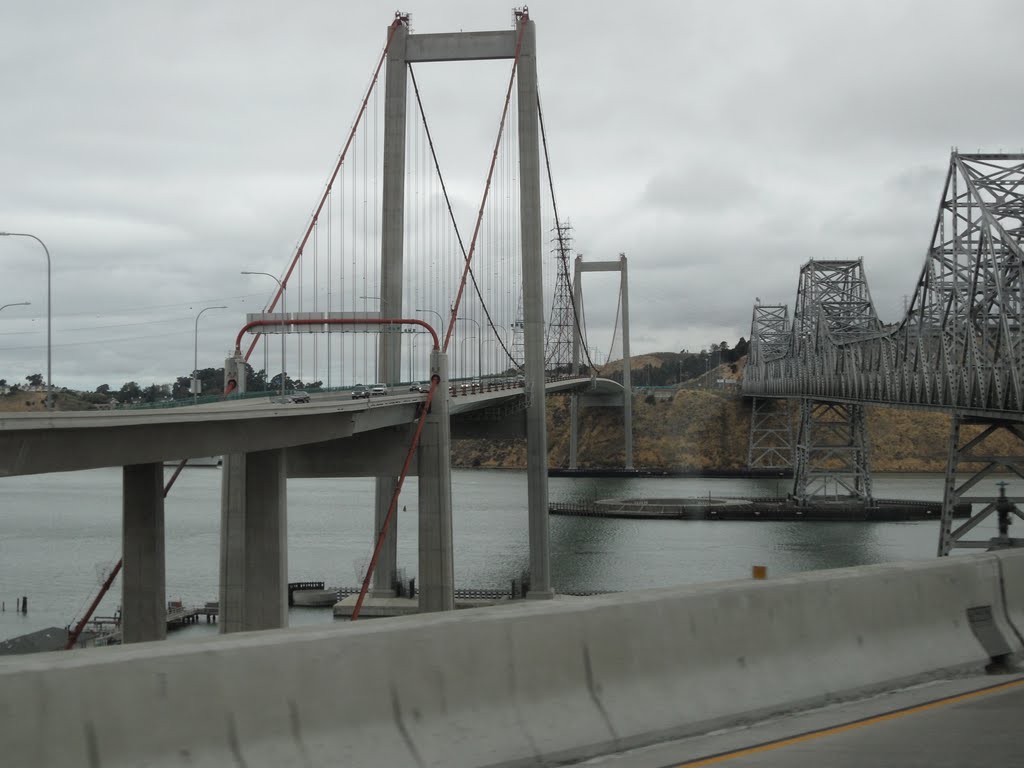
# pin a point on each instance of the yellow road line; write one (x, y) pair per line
(809, 735)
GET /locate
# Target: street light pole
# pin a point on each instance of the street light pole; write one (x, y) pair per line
(463, 350)
(440, 320)
(195, 355)
(49, 316)
(284, 325)
(15, 304)
(376, 362)
(479, 336)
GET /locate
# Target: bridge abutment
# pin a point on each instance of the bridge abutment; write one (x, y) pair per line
(143, 585)
(254, 547)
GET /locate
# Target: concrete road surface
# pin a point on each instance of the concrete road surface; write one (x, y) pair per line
(964, 723)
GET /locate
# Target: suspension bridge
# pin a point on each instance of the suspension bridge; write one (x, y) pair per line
(381, 255)
(958, 350)
(386, 282)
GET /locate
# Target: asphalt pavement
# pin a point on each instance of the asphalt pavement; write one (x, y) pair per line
(971, 722)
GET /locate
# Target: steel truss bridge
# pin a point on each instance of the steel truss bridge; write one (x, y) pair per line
(959, 349)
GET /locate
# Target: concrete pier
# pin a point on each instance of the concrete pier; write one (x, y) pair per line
(143, 591)
(436, 570)
(254, 547)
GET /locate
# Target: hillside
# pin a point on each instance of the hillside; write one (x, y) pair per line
(30, 402)
(700, 429)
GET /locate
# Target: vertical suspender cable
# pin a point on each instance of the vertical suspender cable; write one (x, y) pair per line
(487, 188)
(371, 89)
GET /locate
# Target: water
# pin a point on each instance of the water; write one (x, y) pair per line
(59, 531)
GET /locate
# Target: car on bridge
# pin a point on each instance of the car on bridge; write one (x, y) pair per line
(378, 389)
(300, 396)
(419, 386)
(360, 390)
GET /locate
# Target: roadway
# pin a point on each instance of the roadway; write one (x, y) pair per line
(63, 441)
(973, 721)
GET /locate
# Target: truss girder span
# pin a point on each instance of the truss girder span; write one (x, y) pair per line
(959, 347)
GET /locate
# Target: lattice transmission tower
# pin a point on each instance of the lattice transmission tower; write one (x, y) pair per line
(518, 349)
(562, 324)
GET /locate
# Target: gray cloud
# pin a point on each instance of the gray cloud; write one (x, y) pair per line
(159, 151)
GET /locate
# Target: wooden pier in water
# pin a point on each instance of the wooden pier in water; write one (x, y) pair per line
(179, 615)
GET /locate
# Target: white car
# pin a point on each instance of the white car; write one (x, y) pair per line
(378, 389)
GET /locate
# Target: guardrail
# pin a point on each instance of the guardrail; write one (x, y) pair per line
(539, 682)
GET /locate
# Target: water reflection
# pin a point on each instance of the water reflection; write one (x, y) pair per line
(817, 545)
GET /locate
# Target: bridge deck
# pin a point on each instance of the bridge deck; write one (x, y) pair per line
(32, 443)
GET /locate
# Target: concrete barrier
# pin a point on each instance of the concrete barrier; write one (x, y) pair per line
(1011, 562)
(526, 684)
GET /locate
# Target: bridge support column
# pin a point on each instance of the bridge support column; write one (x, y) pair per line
(436, 569)
(533, 316)
(253, 542)
(832, 446)
(389, 360)
(577, 342)
(143, 596)
(994, 445)
(627, 384)
(770, 444)
(385, 576)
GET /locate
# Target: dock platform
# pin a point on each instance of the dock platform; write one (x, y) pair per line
(757, 509)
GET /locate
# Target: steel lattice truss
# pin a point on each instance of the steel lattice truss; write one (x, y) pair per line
(832, 448)
(771, 428)
(562, 325)
(960, 346)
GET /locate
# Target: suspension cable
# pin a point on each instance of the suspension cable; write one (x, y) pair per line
(487, 189)
(451, 214)
(399, 20)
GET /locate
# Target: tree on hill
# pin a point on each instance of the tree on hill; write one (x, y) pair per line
(255, 381)
(34, 380)
(154, 393)
(130, 392)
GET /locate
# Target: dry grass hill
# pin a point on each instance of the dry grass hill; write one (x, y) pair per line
(699, 426)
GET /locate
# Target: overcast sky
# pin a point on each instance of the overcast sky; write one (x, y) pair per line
(161, 148)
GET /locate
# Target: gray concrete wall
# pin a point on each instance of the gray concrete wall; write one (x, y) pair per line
(535, 682)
